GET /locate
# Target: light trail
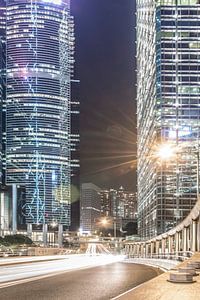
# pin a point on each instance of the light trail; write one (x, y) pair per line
(13, 275)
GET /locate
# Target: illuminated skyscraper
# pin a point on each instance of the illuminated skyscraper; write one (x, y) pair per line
(90, 207)
(39, 38)
(168, 108)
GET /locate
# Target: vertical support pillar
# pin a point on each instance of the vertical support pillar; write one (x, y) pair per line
(14, 208)
(127, 250)
(29, 230)
(142, 250)
(198, 234)
(157, 248)
(152, 249)
(60, 235)
(131, 250)
(134, 250)
(137, 247)
(45, 230)
(184, 240)
(177, 242)
(146, 250)
(163, 246)
(171, 240)
(194, 236)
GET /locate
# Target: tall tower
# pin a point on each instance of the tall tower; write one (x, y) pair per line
(168, 108)
(39, 60)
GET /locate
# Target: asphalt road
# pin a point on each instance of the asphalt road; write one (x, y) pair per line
(102, 283)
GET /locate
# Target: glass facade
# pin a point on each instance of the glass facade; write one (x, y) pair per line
(168, 57)
(39, 60)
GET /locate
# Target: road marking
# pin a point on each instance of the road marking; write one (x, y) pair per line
(119, 296)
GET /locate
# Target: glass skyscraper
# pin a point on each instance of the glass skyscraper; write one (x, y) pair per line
(39, 51)
(168, 108)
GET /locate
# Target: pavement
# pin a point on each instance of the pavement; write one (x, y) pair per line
(160, 289)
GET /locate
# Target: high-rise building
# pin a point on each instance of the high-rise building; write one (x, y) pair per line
(168, 108)
(119, 204)
(75, 156)
(37, 42)
(90, 207)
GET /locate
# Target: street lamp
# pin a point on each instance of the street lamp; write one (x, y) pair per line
(165, 151)
(106, 221)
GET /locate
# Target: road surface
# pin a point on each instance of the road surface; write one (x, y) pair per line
(94, 283)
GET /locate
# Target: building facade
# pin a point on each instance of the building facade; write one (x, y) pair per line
(90, 208)
(120, 205)
(168, 109)
(37, 102)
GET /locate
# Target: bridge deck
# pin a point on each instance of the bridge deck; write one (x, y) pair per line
(160, 289)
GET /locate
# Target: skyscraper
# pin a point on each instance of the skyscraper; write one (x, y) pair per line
(90, 207)
(168, 108)
(120, 205)
(39, 37)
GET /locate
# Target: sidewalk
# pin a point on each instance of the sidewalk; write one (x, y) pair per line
(160, 289)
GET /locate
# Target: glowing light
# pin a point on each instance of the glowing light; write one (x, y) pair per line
(104, 222)
(54, 224)
(165, 152)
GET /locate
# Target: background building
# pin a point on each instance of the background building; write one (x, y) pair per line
(168, 111)
(90, 207)
(40, 146)
(120, 205)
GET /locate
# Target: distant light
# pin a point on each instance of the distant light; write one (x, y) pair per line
(104, 222)
(54, 224)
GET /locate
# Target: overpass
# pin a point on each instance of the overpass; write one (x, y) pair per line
(180, 242)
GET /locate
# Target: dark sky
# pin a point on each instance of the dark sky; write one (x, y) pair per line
(105, 64)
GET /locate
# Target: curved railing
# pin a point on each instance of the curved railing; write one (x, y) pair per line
(179, 242)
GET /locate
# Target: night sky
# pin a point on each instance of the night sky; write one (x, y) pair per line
(105, 64)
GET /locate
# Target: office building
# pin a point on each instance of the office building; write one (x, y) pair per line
(90, 208)
(168, 110)
(119, 204)
(75, 156)
(37, 110)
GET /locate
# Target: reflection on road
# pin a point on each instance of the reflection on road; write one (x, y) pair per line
(68, 263)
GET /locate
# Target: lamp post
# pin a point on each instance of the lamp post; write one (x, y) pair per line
(106, 221)
(166, 152)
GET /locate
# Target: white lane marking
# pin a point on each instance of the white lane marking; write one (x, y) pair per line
(125, 293)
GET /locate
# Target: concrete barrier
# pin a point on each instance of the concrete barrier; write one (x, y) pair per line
(189, 270)
(178, 277)
(37, 251)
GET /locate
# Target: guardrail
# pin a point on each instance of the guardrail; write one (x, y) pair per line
(182, 240)
(12, 253)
